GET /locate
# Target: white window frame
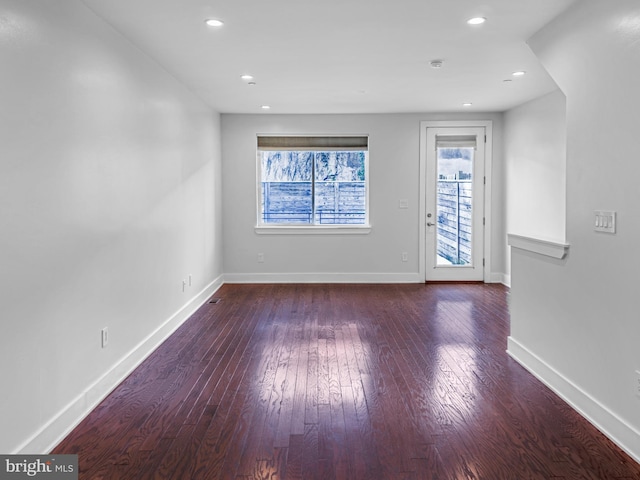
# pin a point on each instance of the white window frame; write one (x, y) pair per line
(315, 229)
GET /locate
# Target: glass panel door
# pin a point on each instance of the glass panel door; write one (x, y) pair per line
(455, 203)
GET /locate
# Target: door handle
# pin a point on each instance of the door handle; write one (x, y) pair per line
(429, 224)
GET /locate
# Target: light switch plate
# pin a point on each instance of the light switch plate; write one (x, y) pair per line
(605, 221)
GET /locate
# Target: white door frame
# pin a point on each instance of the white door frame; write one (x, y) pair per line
(488, 126)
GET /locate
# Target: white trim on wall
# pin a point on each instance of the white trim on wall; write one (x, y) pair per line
(539, 246)
(70, 416)
(313, 230)
(605, 420)
(323, 278)
(488, 126)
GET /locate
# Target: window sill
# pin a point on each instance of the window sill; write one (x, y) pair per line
(313, 230)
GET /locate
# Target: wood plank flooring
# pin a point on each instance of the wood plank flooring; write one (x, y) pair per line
(341, 382)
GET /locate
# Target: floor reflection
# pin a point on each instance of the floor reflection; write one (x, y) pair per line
(455, 380)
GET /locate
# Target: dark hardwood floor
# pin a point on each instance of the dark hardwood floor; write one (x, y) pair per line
(345, 382)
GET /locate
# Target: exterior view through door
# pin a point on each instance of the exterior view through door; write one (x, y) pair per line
(455, 204)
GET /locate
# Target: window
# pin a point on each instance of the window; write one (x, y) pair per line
(454, 201)
(312, 181)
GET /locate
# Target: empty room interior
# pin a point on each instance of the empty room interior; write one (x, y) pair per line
(338, 239)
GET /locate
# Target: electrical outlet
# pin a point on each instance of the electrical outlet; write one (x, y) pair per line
(184, 285)
(405, 257)
(261, 258)
(190, 279)
(104, 336)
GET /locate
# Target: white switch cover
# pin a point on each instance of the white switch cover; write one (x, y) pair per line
(605, 221)
(105, 337)
(403, 203)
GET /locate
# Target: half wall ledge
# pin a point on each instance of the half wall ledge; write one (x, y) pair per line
(536, 245)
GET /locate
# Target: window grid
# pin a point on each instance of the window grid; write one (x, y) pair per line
(344, 202)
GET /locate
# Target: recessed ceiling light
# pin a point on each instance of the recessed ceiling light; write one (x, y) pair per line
(436, 64)
(519, 73)
(468, 104)
(251, 83)
(247, 77)
(214, 22)
(476, 20)
(265, 107)
(507, 80)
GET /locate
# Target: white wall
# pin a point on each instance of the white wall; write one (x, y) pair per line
(109, 197)
(575, 321)
(535, 155)
(394, 174)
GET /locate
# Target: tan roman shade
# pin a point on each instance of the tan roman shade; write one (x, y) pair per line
(342, 143)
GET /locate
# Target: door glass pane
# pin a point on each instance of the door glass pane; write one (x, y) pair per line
(454, 205)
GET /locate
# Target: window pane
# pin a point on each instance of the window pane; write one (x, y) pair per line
(340, 192)
(454, 205)
(313, 187)
(286, 187)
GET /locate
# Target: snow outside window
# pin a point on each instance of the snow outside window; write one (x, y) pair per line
(312, 181)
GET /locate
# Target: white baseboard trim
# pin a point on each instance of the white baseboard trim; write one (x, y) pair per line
(610, 424)
(323, 278)
(70, 416)
(503, 278)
